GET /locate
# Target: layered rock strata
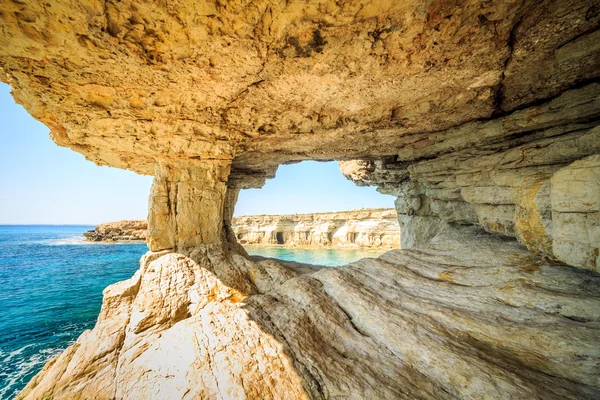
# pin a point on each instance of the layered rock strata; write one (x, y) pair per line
(361, 228)
(133, 84)
(373, 228)
(127, 230)
(474, 114)
(532, 175)
(466, 316)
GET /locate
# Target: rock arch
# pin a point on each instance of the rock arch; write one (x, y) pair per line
(481, 117)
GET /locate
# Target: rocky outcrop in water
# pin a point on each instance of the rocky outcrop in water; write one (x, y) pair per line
(377, 228)
(126, 230)
(480, 116)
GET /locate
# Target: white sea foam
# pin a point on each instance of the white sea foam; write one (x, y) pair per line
(79, 239)
(15, 353)
(13, 377)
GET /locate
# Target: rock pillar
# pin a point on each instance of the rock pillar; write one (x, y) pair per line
(186, 204)
(228, 234)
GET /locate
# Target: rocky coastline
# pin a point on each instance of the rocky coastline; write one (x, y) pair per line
(481, 117)
(121, 231)
(365, 228)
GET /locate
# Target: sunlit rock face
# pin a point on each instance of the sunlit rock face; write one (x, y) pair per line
(532, 175)
(156, 87)
(466, 316)
(576, 213)
(371, 228)
(480, 116)
(128, 83)
(126, 230)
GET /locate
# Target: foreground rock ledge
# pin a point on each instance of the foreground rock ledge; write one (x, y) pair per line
(466, 316)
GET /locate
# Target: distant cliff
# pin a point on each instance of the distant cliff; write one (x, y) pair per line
(358, 228)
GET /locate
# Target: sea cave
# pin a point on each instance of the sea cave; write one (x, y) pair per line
(480, 117)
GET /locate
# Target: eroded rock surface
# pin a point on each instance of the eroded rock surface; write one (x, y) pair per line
(474, 114)
(576, 213)
(127, 83)
(524, 175)
(126, 230)
(467, 315)
(377, 228)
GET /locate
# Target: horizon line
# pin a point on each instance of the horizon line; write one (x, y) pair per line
(49, 224)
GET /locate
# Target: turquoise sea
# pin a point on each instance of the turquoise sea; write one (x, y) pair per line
(51, 286)
(50, 291)
(328, 257)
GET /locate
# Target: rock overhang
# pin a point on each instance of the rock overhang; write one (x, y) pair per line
(436, 99)
(471, 113)
(129, 84)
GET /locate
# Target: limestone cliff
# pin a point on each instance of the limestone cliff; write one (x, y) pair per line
(480, 116)
(361, 228)
(127, 230)
(373, 228)
(531, 188)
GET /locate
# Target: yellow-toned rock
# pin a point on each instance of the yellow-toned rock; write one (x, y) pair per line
(576, 213)
(472, 113)
(406, 325)
(371, 228)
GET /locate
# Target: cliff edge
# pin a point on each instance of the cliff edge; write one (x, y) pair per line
(468, 315)
(372, 228)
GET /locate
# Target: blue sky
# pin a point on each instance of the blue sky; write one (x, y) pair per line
(42, 183)
(307, 187)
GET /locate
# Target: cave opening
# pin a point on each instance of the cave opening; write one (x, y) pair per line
(352, 237)
(310, 208)
(279, 238)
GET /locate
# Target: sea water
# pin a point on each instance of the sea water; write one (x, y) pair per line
(51, 284)
(318, 256)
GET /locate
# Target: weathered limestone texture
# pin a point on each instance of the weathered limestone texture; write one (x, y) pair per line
(510, 175)
(479, 115)
(576, 213)
(129, 83)
(178, 197)
(466, 316)
(128, 230)
(377, 228)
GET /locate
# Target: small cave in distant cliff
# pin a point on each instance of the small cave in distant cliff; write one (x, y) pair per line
(330, 237)
(352, 237)
(279, 238)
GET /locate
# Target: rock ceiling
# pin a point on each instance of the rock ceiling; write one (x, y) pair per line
(480, 116)
(259, 83)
